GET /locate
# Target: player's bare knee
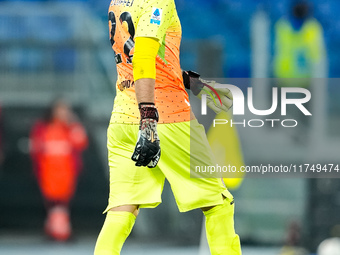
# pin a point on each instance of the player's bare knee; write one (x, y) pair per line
(134, 209)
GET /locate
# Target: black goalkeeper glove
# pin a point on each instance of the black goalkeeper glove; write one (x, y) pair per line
(147, 151)
(198, 86)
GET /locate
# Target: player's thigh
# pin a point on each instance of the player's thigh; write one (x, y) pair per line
(130, 185)
(177, 161)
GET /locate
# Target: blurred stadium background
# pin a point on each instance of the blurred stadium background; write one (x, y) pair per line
(53, 48)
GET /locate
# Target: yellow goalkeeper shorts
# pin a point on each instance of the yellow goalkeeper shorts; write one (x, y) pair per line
(131, 185)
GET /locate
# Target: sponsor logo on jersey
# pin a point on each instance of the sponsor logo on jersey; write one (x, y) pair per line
(156, 16)
(125, 85)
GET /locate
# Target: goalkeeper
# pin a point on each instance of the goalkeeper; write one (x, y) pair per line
(151, 128)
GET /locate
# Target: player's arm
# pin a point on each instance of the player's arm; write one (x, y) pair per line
(218, 99)
(147, 150)
(155, 18)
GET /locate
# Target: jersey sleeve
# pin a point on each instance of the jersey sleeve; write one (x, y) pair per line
(155, 18)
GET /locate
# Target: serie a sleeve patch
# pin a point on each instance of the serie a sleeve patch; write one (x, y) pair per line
(156, 16)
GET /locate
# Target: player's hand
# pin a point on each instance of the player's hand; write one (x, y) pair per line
(147, 151)
(218, 99)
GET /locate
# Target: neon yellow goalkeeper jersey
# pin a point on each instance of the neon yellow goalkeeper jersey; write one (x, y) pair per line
(129, 19)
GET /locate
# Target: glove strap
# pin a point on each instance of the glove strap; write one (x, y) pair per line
(148, 115)
(148, 111)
